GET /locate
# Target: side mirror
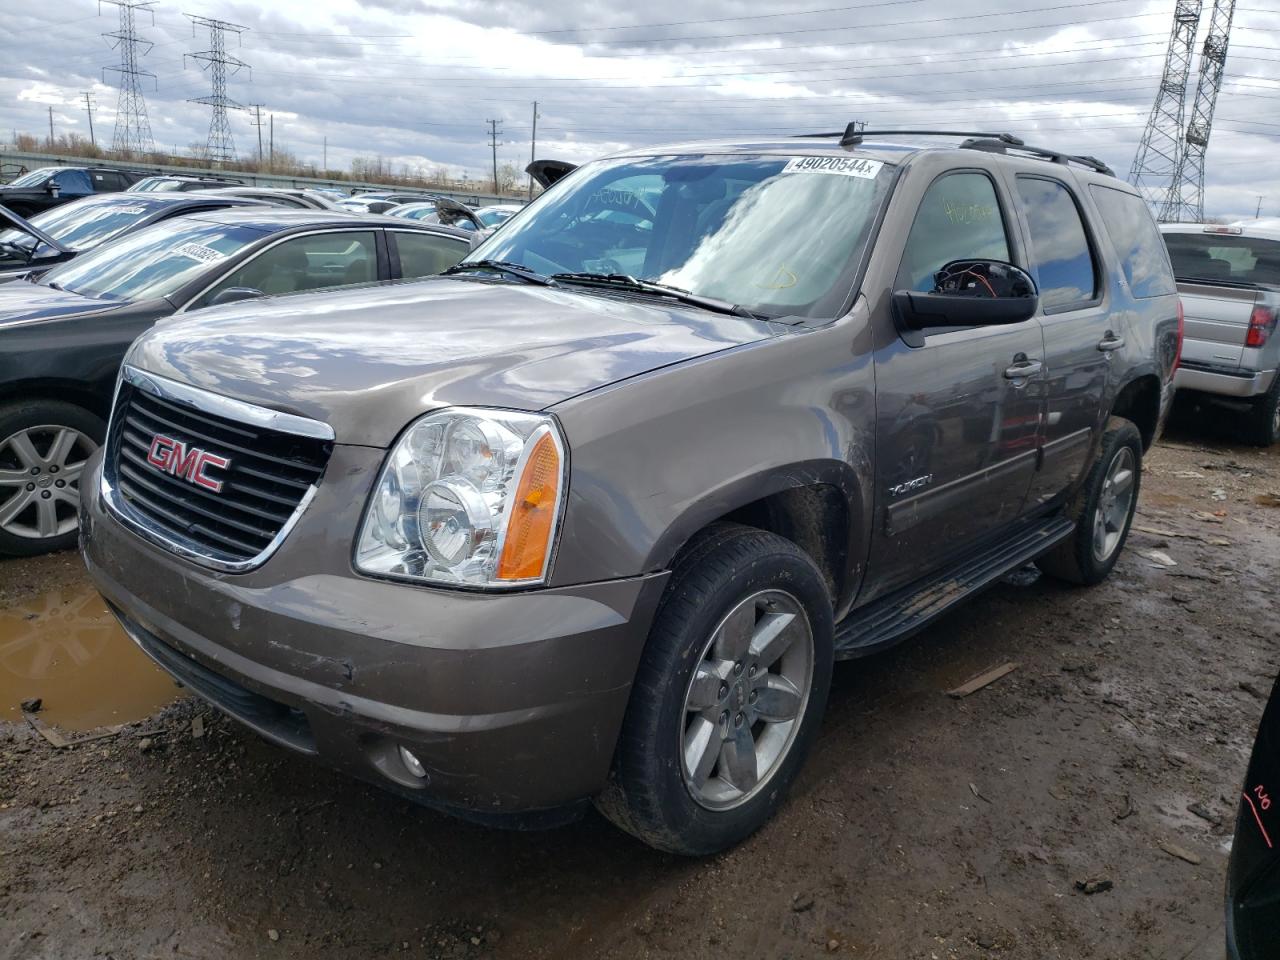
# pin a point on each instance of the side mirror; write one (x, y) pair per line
(52, 188)
(970, 293)
(235, 295)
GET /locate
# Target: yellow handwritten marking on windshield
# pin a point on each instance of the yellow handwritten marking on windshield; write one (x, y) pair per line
(781, 280)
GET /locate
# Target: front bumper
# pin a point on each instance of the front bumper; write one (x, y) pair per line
(512, 702)
(1244, 384)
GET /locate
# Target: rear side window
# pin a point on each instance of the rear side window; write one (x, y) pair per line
(1060, 255)
(959, 219)
(425, 254)
(1215, 256)
(1133, 233)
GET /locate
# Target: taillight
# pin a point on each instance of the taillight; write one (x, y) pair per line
(1261, 322)
(1177, 351)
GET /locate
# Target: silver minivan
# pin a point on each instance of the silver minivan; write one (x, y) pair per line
(1229, 280)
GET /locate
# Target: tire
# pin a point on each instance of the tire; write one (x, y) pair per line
(1075, 559)
(1262, 429)
(651, 794)
(43, 446)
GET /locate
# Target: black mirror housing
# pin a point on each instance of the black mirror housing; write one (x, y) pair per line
(235, 295)
(970, 293)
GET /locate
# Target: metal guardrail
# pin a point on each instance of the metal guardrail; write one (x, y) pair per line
(14, 163)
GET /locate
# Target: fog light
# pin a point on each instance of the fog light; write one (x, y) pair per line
(412, 763)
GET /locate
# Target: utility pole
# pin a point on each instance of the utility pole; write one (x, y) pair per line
(88, 106)
(221, 147)
(1258, 213)
(493, 143)
(1185, 201)
(272, 141)
(133, 129)
(325, 164)
(1160, 152)
(533, 146)
(50, 127)
(257, 122)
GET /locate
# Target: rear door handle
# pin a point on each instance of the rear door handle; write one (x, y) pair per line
(1023, 368)
(1110, 342)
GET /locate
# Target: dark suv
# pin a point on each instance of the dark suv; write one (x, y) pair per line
(49, 186)
(591, 518)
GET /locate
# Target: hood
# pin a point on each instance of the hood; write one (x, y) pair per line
(22, 302)
(368, 360)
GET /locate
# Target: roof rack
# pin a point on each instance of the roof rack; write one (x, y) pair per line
(851, 136)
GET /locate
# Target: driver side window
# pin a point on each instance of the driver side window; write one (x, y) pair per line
(306, 263)
(959, 219)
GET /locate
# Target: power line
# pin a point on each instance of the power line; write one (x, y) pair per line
(133, 129)
(220, 147)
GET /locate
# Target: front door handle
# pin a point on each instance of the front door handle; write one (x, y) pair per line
(1022, 368)
(1110, 342)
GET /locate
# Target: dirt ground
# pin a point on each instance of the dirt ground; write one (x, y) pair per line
(923, 826)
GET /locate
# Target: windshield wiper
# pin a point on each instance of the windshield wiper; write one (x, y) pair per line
(678, 294)
(508, 267)
(17, 248)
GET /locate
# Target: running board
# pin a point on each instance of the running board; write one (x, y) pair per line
(896, 616)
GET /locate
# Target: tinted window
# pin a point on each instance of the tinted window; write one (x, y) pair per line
(1215, 256)
(777, 235)
(153, 262)
(959, 219)
(1133, 233)
(307, 263)
(424, 254)
(1060, 256)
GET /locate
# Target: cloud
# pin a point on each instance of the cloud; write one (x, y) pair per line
(415, 80)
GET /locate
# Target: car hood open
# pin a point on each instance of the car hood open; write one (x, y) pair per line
(22, 303)
(368, 360)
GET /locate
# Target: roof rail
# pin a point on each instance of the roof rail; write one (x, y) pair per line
(852, 135)
(997, 146)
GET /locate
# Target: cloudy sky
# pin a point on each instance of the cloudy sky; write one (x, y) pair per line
(414, 80)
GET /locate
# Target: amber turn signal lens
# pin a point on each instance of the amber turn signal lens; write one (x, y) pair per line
(533, 514)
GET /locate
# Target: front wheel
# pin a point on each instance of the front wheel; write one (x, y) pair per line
(1103, 510)
(728, 696)
(43, 448)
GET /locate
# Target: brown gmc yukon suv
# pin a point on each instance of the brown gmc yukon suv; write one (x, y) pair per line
(590, 518)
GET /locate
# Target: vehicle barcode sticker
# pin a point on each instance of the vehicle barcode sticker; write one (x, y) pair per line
(844, 166)
(198, 251)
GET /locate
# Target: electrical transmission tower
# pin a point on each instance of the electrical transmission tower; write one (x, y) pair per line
(1185, 200)
(133, 129)
(1160, 151)
(221, 147)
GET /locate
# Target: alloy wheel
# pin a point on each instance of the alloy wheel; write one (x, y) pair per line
(1114, 504)
(40, 469)
(746, 698)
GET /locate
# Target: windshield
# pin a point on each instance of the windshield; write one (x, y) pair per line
(776, 235)
(1216, 256)
(155, 262)
(491, 218)
(80, 225)
(156, 185)
(34, 178)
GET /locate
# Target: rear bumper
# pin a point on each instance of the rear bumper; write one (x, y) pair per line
(512, 702)
(1244, 384)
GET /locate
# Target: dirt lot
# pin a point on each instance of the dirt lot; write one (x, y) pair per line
(923, 827)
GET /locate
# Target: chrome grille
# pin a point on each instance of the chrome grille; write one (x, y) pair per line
(269, 478)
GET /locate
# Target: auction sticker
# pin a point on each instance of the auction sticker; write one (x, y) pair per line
(198, 251)
(842, 166)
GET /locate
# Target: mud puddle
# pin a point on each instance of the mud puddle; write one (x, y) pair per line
(66, 648)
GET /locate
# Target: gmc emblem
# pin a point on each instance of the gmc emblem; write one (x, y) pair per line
(186, 463)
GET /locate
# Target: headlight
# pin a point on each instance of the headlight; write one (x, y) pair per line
(467, 497)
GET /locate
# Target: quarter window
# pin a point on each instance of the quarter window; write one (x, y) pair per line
(959, 219)
(1060, 256)
(1142, 254)
(307, 263)
(426, 254)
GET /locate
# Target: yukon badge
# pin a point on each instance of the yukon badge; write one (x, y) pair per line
(907, 486)
(185, 462)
